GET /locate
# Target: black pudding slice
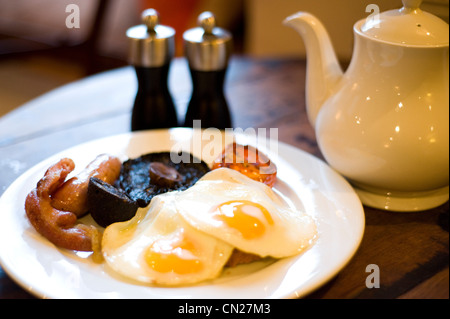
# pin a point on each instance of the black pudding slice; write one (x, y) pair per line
(135, 177)
(108, 204)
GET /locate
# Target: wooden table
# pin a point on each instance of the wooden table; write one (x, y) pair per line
(410, 249)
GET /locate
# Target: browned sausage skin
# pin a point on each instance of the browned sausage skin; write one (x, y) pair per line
(71, 196)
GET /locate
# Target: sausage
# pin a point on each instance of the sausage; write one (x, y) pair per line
(59, 227)
(71, 196)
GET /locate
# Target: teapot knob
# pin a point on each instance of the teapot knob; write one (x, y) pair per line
(412, 4)
(150, 18)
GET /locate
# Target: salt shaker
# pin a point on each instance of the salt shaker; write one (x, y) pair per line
(208, 49)
(152, 48)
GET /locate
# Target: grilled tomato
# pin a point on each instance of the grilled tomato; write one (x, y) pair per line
(249, 161)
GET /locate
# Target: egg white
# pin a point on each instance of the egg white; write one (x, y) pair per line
(291, 232)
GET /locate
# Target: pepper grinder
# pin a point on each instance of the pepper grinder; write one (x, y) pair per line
(208, 49)
(152, 48)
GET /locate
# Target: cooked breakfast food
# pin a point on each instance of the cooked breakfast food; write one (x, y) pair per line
(142, 179)
(249, 161)
(71, 195)
(188, 236)
(58, 226)
(108, 204)
(54, 206)
(157, 246)
(171, 223)
(139, 181)
(246, 214)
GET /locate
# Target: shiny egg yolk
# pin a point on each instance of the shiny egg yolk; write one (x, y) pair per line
(247, 217)
(175, 255)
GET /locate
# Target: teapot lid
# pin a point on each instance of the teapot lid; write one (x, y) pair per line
(151, 44)
(408, 26)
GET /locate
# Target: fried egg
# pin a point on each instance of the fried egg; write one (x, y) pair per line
(186, 237)
(157, 246)
(246, 214)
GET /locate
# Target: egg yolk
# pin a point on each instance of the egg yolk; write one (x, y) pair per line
(247, 217)
(175, 255)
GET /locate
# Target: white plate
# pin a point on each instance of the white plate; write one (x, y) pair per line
(307, 182)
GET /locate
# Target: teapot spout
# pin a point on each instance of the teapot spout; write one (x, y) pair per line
(323, 70)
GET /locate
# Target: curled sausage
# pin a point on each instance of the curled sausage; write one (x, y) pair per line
(59, 227)
(72, 195)
(54, 206)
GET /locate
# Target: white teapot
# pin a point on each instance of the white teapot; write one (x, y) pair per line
(384, 123)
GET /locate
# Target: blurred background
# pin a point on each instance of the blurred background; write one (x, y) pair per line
(38, 52)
